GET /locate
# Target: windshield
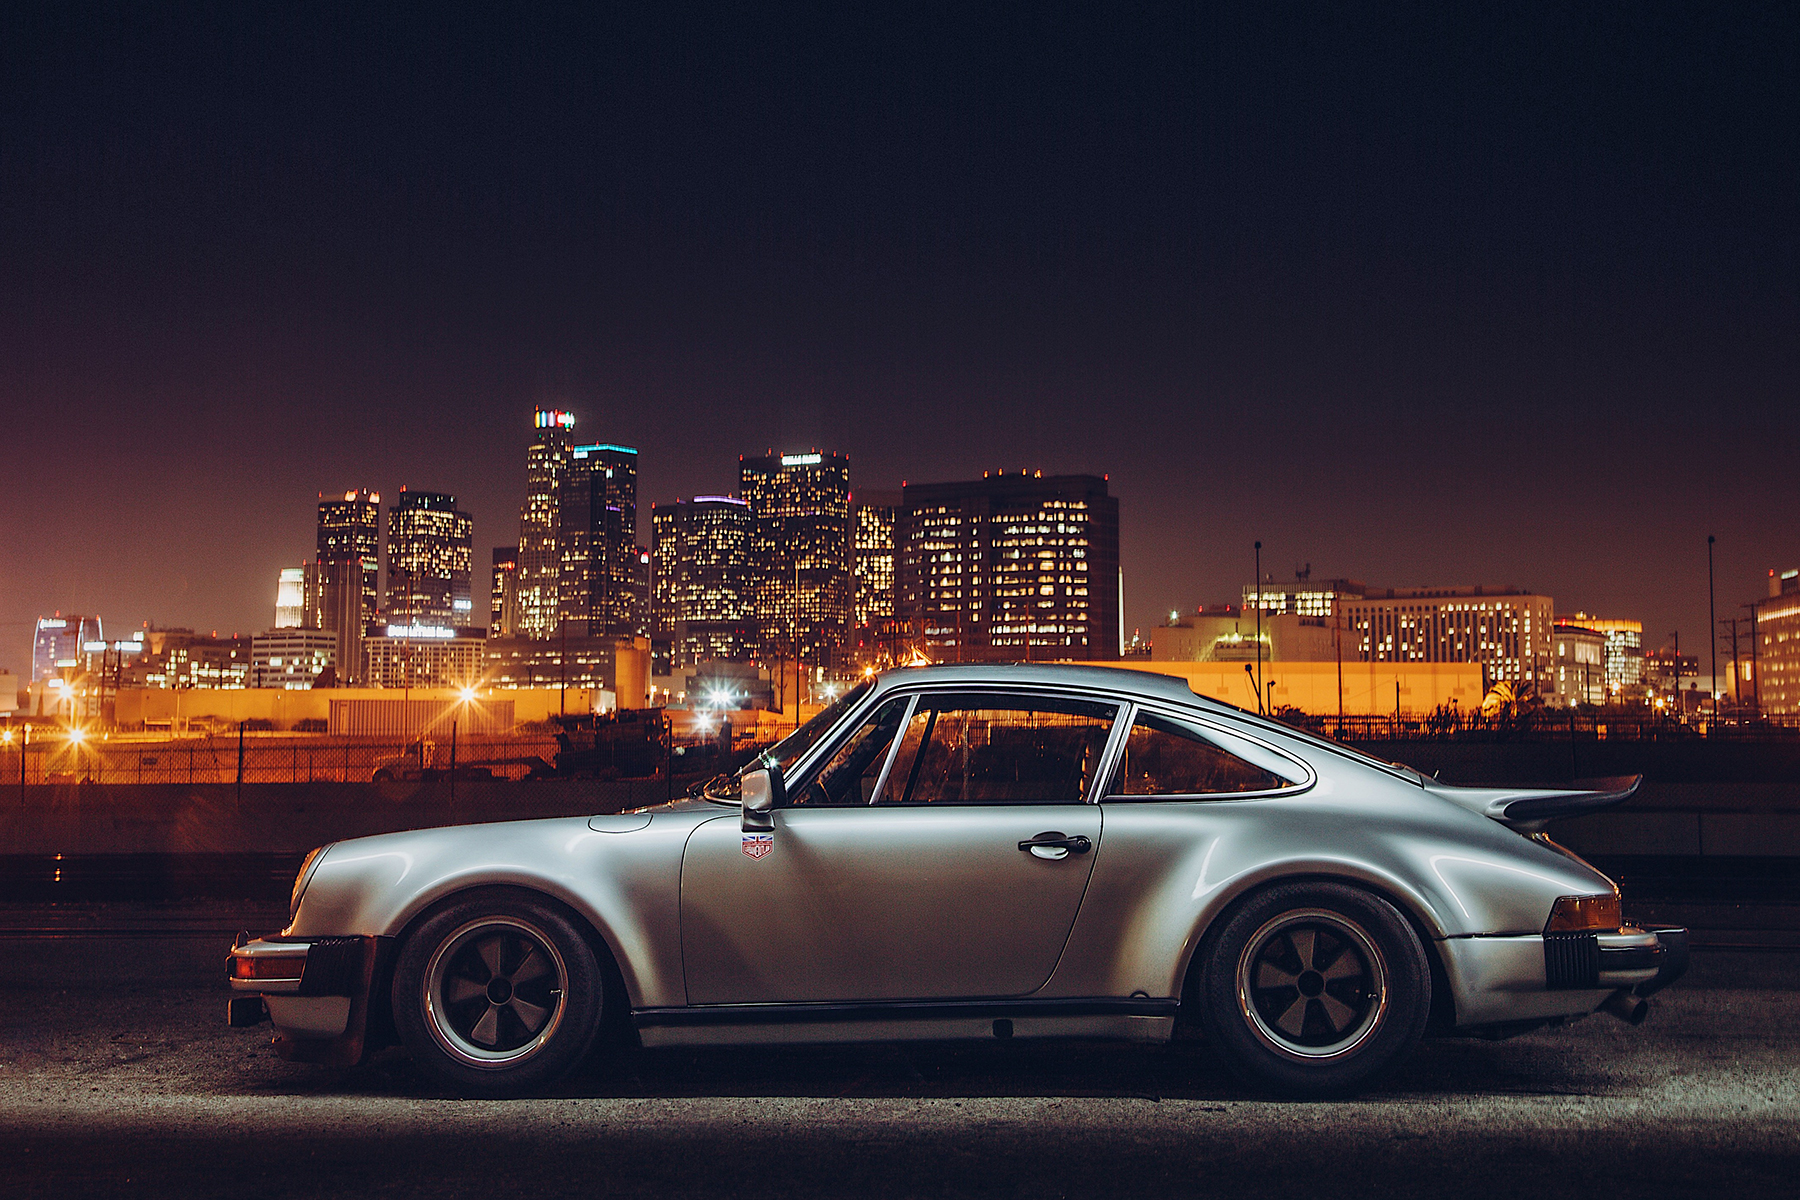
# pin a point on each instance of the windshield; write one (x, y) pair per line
(788, 750)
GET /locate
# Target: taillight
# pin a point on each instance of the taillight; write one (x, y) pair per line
(1576, 913)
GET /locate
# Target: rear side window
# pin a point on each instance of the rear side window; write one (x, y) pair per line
(999, 749)
(1164, 757)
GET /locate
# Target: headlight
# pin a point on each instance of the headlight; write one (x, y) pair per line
(307, 867)
(1572, 914)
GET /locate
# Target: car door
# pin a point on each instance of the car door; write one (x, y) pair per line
(916, 864)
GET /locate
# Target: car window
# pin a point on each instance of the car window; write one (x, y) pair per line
(851, 775)
(999, 749)
(1165, 757)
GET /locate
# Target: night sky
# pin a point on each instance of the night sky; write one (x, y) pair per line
(1420, 296)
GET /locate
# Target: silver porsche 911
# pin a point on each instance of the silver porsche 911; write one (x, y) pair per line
(973, 852)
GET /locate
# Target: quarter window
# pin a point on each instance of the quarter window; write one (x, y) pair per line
(851, 775)
(1172, 758)
(999, 749)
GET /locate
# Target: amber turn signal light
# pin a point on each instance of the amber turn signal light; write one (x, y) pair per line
(1573, 914)
(265, 966)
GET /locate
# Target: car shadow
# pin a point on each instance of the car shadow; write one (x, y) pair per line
(1184, 1071)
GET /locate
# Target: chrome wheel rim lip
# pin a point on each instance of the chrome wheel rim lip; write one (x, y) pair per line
(438, 1016)
(1356, 941)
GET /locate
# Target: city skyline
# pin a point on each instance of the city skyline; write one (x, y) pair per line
(1489, 299)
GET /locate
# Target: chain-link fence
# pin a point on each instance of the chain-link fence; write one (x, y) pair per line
(276, 759)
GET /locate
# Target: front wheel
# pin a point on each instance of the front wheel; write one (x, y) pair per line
(1314, 989)
(497, 994)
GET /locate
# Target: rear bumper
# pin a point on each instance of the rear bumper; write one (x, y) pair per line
(315, 990)
(1506, 980)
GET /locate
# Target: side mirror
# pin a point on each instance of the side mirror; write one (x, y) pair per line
(762, 791)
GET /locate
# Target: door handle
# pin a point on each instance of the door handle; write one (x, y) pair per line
(1079, 844)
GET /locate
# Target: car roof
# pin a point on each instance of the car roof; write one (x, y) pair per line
(1124, 681)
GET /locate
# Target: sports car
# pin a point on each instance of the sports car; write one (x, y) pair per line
(954, 852)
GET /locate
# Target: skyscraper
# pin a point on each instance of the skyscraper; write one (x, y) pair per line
(1012, 567)
(430, 553)
(599, 592)
(874, 516)
(290, 599)
(334, 599)
(539, 563)
(503, 599)
(704, 577)
(351, 529)
(803, 604)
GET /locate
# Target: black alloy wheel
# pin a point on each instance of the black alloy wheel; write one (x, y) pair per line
(1314, 989)
(498, 993)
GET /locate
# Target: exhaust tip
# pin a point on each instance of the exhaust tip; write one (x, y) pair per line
(1628, 1008)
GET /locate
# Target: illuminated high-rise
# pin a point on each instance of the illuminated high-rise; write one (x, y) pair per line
(539, 563)
(57, 648)
(350, 528)
(430, 556)
(803, 603)
(503, 594)
(873, 519)
(600, 592)
(1506, 630)
(1011, 568)
(704, 581)
(290, 598)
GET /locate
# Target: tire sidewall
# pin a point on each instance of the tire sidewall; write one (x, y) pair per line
(584, 998)
(1230, 1031)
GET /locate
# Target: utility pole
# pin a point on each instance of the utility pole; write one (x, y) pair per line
(1755, 665)
(1712, 620)
(1337, 644)
(1737, 672)
(1258, 592)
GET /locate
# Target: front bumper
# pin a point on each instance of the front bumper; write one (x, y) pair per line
(315, 990)
(1505, 980)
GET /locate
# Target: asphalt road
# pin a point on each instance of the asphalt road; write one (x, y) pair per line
(139, 1089)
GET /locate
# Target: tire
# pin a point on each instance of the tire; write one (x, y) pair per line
(498, 994)
(1314, 989)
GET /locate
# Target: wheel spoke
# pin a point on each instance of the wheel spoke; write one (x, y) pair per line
(535, 966)
(1302, 940)
(533, 1016)
(1268, 975)
(489, 949)
(1346, 966)
(487, 1030)
(1293, 1021)
(1337, 1012)
(457, 990)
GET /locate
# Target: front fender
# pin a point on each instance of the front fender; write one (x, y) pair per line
(625, 884)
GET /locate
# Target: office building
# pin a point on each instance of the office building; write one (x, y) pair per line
(704, 578)
(350, 528)
(291, 658)
(802, 603)
(539, 564)
(334, 603)
(1012, 567)
(503, 596)
(56, 646)
(430, 560)
(1228, 633)
(412, 656)
(181, 658)
(1506, 630)
(1578, 665)
(1776, 677)
(598, 588)
(874, 518)
(1624, 653)
(1303, 597)
(290, 598)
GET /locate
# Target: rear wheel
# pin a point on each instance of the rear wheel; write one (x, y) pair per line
(498, 994)
(1315, 989)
